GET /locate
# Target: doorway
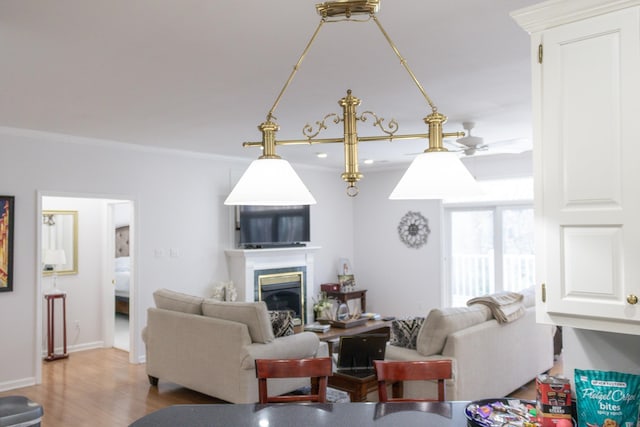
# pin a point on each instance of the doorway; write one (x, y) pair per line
(120, 214)
(91, 291)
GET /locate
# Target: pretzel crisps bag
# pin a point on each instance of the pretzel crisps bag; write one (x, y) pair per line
(607, 399)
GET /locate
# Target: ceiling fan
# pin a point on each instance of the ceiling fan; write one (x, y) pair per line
(470, 144)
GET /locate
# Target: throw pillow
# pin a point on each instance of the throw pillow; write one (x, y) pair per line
(442, 322)
(219, 292)
(404, 332)
(224, 291)
(252, 314)
(230, 292)
(281, 322)
(176, 301)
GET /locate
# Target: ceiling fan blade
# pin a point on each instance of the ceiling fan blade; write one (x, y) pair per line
(507, 146)
(470, 141)
(453, 145)
(513, 146)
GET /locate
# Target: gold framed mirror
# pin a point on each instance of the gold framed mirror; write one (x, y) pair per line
(59, 242)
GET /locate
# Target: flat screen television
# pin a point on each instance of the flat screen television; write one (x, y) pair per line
(273, 226)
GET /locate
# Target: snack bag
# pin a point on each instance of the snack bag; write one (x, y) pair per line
(553, 399)
(607, 399)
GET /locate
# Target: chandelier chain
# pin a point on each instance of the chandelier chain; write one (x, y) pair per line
(405, 64)
(324, 20)
(295, 69)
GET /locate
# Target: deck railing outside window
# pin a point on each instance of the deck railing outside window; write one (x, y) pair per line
(473, 275)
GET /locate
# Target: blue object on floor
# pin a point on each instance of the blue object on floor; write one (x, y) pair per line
(18, 411)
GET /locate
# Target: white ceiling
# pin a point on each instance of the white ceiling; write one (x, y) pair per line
(200, 75)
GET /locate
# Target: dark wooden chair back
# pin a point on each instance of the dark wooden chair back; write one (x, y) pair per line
(319, 367)
(394, 372)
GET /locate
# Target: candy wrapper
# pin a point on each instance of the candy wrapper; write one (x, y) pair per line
(502, 413)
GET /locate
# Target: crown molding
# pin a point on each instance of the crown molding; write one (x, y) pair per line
(553, 13)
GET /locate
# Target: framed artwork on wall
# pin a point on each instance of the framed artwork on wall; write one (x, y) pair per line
(7, 215)
(414, 230)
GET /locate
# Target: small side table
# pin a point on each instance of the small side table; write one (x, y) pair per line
(51, 298)
(345, 296)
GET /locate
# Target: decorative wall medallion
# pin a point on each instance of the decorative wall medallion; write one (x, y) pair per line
(414, 230)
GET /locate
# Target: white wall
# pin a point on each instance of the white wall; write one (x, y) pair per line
(178, 203)
(400, 281)
(121, 214)
(604, 351)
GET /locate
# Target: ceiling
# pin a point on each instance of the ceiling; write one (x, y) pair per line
(201, 75)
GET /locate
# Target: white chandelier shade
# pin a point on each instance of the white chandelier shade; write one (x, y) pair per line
(436, 175)
(270, 182)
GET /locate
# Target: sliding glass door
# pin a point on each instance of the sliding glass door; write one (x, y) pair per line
(491, 248)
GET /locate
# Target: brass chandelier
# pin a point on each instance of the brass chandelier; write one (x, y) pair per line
(434, 174)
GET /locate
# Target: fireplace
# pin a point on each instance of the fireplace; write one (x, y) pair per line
(282, 289)
(245, 265)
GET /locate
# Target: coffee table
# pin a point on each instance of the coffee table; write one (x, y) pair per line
(356, 387)
(333, 335)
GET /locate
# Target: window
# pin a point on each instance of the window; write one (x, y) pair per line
(490, 244)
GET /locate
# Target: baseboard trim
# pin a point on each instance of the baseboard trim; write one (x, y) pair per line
(86, 346)
(77, 347)
(24, 382)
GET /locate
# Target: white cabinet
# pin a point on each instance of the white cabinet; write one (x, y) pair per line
(586, 105)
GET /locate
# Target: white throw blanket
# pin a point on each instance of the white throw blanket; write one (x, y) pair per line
(505, 306)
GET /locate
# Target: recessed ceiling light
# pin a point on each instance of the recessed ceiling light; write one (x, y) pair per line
(322, 155)
(368, 161)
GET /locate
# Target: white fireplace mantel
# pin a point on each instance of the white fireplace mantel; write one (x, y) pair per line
(243, 263)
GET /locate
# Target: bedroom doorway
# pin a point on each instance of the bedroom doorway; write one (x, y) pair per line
(120, 229)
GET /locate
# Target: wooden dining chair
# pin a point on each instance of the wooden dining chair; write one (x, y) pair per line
(394, 372)
(318, 367)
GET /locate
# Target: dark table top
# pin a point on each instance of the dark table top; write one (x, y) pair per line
(440, 414)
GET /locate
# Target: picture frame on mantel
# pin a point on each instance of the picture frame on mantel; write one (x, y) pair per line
(344, 267)
(7, 215)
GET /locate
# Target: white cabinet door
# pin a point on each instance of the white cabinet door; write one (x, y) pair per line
(588, 171)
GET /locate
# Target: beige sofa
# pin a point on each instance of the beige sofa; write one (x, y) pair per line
(490, 359)
(210, 346)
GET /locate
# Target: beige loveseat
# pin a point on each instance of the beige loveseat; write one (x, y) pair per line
(490, 359)
(210, 346)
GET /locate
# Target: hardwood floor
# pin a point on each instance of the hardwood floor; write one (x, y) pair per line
(100, 388)
(528, 391)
